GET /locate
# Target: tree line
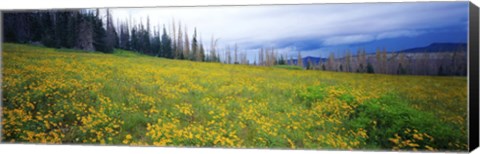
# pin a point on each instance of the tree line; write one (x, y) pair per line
(399, 63)
(80, 29)
(92, 31)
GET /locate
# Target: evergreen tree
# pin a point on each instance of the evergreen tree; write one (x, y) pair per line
(187, 53)
(441, 72)
(85, 32)
(348, 58)
(37, 28)
(281, 61)
(155, 44)
(260, 57)
(134, 40)
(60, 34)
(173, 35)
(201, 50)
(235, 54)
(201, 53)
(124, 38)
(213, 52)
(146, 38)
(331, 62)
(71, 30)
(99, 35)
(180, 41)
(299, 59)
(370, 68)
(48, 39)
(310, 65)
(195, 55)
(228, 55)
(166, 45)
(110, 34)
(401, 69)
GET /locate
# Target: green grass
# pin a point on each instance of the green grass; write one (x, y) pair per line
(126, 53)
(289, 67)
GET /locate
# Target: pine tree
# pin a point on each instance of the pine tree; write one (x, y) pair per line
(60, 30)
(402, 64)
(384, 61)
(124, 36)
(156, 45)
(282, 60)
(370, 68)
(202, 53)
(235, 54)
(195, 55)
(99, 36)
(299, 59)
(134, 39)
(110, 34)
(331, 62)
(228, 55)
(166, 45)
(146, 38)
(379, 60)
(180, 41)
(49, 36)
(213, 52)
(187, 52)
(362, 60)
(309, 64)
(260, 57)
(71, 31)
(174, 39)
(85, 33)
(347, 58)
(201, 50)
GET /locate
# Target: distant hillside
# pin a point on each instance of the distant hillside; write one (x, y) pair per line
(432, 48)
(438, 47)
(314, 60)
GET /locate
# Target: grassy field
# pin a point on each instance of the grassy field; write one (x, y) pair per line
(71, 97)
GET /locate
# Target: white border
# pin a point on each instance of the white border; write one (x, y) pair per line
(82, 149)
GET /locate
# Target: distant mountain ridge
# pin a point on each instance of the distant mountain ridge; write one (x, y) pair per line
(434, 47)
(314, 59)
(438, 47)
(306, 60)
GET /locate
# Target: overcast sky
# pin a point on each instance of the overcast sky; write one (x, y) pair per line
(316, 30)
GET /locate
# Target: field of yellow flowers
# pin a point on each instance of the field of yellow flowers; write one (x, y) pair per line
(65, 96)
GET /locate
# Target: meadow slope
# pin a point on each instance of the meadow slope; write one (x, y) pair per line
(68, 96)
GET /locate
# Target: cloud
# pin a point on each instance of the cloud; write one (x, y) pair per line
(402, 33)
(349, 39)
(305, 26)
(363, 38)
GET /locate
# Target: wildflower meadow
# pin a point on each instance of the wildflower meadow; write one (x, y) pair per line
(67, 96)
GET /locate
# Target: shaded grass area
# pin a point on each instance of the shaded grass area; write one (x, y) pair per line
(392, 123)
